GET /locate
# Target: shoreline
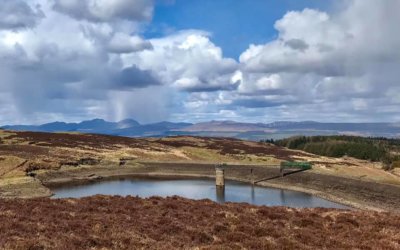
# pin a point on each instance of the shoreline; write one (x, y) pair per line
(189, 171)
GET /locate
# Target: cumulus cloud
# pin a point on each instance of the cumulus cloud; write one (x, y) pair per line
(311, 41)
(67, 70)
(89, 68)
(260, 84)
(122, 43)
(106, 10)
(17, 14)
(336, 66)
(189, 61)
(323, 58)
(73, 60)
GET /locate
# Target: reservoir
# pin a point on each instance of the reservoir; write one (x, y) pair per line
(197, 189)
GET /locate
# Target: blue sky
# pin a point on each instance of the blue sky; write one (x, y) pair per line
(199, 60)
(234, 24)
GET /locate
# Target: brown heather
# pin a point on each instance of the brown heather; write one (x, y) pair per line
(104, 222)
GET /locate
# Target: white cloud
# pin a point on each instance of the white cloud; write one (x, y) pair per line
(261, 84)
(189, 61)
(72, 60)
(66, 67)
(320, 57)
(79, 69)
(122, 43)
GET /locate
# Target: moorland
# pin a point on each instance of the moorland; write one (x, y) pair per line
(32, 162)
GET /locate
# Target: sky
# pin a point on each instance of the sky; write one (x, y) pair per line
(199, 60)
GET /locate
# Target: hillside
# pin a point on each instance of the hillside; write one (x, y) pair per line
(31, 160)
(39, 150)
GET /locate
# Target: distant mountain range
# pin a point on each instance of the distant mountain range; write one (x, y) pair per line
(128, 127)
(252, 131)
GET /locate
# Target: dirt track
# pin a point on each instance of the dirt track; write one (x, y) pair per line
(156, 223)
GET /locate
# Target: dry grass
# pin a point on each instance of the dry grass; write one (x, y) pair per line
(54, 150)
(10, 165)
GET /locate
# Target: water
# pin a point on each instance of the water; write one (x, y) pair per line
(196, 189)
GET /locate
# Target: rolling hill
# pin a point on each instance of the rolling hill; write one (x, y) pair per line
(242, 130)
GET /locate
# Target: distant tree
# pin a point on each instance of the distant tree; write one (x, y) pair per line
(366, 148)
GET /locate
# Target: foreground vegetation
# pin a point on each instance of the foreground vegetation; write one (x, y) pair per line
(104, 222)
(373, 149)
(29, 161)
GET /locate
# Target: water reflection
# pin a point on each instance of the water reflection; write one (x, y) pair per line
(220, 195)
(282, 195)
(220, 192)
(196, 189)
(253, 195)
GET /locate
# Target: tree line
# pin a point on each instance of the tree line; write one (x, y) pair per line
(366, 148)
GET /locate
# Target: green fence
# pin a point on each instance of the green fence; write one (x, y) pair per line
(296, 165)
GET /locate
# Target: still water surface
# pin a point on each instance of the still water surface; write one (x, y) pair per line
(196, 189)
